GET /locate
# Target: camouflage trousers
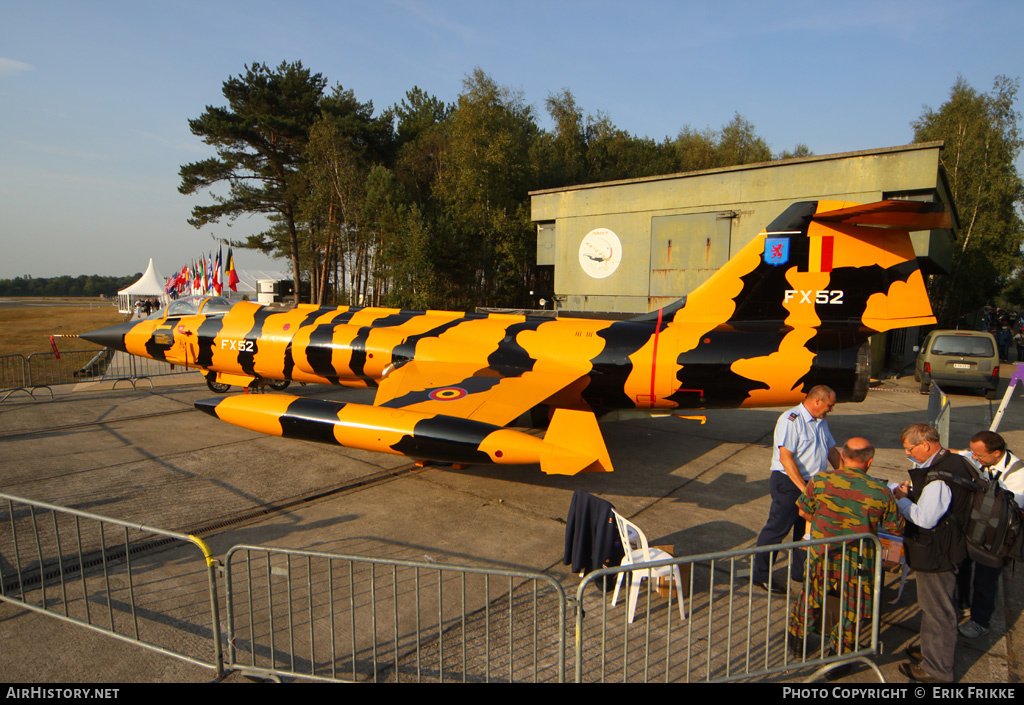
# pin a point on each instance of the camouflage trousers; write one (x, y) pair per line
(806, 613)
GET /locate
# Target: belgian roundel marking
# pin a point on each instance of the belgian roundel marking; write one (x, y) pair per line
(448, 394)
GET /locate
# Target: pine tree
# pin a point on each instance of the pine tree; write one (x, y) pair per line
(260, 138)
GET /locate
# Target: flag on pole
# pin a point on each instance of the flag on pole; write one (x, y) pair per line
(230, 273)
(218, 287)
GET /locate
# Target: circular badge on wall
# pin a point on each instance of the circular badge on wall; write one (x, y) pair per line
(600, 253)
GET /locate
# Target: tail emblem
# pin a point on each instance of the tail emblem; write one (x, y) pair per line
(776, 250)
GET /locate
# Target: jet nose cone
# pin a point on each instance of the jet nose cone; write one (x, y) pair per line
(109, 337)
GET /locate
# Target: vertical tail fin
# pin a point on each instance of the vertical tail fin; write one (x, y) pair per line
(795, 307)
(824, 262)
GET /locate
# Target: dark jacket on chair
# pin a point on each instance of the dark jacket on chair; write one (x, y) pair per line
(591, 537)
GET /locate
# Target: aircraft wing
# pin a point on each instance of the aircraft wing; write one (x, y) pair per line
(470, 391)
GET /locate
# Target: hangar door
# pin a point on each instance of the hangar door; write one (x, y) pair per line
(686, 250)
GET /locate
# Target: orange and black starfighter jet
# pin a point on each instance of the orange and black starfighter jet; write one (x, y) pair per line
(794, 308)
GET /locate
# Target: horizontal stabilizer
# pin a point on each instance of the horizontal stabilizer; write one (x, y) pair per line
(903, 215)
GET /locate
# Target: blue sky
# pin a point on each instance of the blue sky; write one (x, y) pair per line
(95, 97)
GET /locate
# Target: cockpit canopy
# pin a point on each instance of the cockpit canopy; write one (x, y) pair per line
(192, 305)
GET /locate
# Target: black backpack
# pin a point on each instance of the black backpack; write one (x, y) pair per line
(994, 530)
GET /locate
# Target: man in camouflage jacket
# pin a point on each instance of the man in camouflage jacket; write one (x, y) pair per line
(837, 503)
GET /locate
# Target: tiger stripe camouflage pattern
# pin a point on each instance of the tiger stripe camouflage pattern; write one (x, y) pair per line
(794, 308)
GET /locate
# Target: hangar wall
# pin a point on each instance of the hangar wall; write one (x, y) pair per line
(636, 245)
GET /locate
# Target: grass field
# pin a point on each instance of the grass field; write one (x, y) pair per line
(27, 330)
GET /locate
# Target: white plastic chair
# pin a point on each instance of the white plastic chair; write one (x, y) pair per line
(630, 534)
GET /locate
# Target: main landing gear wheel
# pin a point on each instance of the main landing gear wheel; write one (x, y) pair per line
(279, 384)
(215, 386)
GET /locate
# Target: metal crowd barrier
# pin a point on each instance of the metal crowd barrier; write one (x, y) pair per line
(131, 368)
(330, 617)
(13, 375)
(349, 618)
(43, 370)
(146, 586)
(733, 630)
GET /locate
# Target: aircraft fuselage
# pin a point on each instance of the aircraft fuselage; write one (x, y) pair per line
(625, 364)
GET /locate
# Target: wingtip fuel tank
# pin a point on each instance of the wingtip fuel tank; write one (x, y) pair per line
(402, 432)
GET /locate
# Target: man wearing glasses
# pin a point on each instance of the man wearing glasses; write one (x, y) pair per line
(989, 453)
(935, 546)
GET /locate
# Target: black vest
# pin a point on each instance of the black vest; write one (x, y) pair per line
(943, 547)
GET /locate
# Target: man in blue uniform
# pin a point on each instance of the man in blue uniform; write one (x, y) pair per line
(803, 446)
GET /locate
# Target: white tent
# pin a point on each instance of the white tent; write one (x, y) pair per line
(150, 285)
(248, 282)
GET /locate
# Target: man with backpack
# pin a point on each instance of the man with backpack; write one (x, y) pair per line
(996, 464)
(936, 510)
